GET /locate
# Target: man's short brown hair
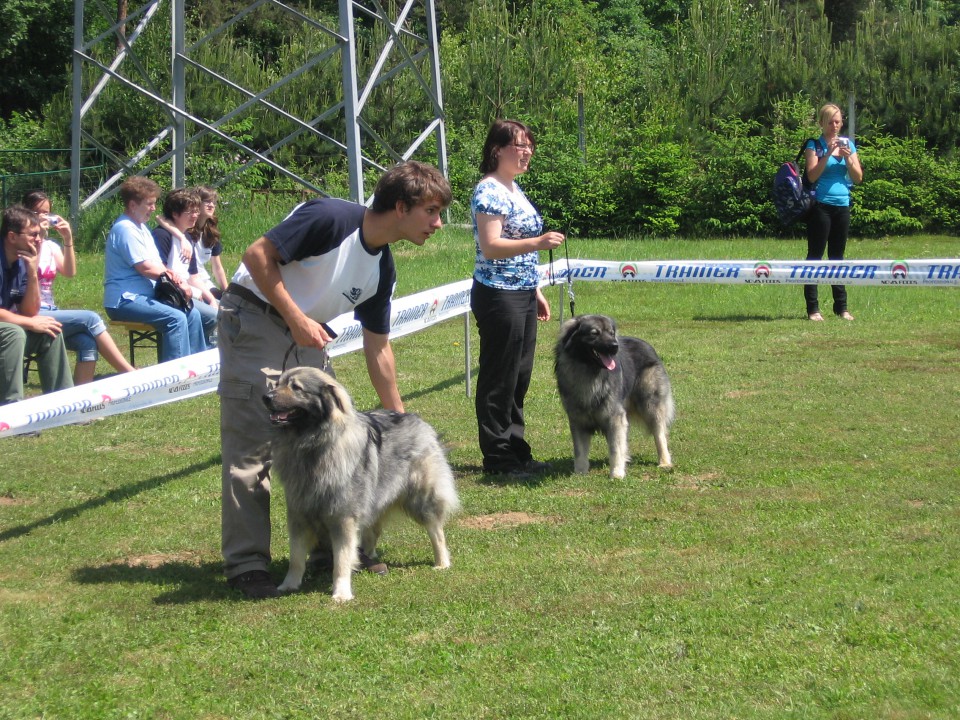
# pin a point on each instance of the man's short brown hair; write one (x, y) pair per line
(410, 183)
(17, 218)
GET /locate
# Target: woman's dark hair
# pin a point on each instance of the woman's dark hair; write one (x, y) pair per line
(180, 201)
(34, 198)
(207, 229)
(501, 134)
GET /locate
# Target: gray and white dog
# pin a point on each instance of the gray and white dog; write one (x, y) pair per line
(344, 471)
(604, 380)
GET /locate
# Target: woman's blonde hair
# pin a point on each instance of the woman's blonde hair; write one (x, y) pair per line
(827, 112)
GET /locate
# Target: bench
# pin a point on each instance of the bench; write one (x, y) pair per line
(28, 360)
(139, 335)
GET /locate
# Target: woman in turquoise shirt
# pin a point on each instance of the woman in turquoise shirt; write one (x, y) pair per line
(833, 167)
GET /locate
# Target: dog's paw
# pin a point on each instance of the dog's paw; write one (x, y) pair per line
(342, 591)
(289, 585)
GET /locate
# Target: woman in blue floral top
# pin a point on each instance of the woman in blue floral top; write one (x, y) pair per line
(506, 298)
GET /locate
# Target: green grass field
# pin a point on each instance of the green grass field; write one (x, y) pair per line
(800, 561)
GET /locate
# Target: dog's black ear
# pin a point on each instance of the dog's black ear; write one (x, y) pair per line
(613, 327)
(572, 328)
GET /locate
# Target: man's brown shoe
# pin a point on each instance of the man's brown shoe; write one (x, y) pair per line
(371, 565)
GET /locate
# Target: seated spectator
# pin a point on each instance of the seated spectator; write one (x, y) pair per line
(83, 331)
(180, 211)
(206, 242)
(132, 266)
(23, 331)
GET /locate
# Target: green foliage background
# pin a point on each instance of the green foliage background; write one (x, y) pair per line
(688, 107)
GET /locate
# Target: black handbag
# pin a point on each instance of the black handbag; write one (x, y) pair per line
(169, 293)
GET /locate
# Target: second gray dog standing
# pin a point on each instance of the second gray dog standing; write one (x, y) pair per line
(605, 380)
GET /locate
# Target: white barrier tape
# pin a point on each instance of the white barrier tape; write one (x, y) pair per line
(940, 273)
(199, 374)
(175, 380)
(411, 313)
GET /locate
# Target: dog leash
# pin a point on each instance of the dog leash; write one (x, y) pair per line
(553, 279)
(570, 295)
(292, 348)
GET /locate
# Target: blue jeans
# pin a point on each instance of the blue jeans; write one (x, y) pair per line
(208, 317)
(80, 330)
(180, 334)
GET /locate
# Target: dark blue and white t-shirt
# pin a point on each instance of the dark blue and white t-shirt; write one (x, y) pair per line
(520, 220)
(13, 283)
(326, 266)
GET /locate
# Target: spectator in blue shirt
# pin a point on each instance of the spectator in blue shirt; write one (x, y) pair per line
(833, 166)
(133, 265)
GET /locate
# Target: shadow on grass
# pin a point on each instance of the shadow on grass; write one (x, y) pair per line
(436, 387)
(745, 318)
(118, 495)
(186, 582)
(203, 582)
(557, 469)
(183, 581)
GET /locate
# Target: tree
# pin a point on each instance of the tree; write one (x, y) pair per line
(843, 16)
(38, 40)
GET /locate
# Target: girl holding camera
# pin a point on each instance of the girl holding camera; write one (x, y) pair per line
(832, 168)
(84, 331)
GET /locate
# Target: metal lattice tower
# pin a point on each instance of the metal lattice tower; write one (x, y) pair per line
(407, 52)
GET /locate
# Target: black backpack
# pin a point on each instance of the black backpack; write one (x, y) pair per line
(792, 195)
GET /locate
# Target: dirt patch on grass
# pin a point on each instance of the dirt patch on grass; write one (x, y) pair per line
(735, 394)
(696, 482)
(156, 560)
(8, 501)
(575, 493)
(496, 521)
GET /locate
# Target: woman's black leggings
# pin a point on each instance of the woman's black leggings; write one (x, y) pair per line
(827, 228)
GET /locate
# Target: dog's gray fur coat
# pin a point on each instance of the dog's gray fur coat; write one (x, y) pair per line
(604, 380)
(343, 471)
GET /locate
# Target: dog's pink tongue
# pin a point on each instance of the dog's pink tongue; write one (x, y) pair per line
(608, 362)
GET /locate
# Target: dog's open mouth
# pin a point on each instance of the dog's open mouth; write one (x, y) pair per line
(608, 361)
(284, 417)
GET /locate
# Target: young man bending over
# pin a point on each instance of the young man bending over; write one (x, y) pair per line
(327, 257)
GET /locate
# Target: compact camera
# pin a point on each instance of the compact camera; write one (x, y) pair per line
(53, 220)
(843, 142)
